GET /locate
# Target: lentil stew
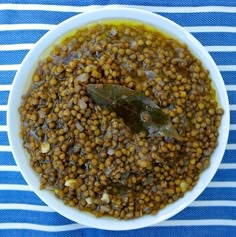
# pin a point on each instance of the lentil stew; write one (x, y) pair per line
(86, 154)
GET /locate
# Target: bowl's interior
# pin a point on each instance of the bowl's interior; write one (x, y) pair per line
(20, 86)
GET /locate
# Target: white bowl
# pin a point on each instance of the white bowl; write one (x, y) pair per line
(21, 84)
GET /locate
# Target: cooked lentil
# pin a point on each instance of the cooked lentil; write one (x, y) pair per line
(86, 154)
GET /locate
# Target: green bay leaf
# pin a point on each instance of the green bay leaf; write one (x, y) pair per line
(138, 111)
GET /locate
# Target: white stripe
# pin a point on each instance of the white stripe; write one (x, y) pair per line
(229, 184)
(64, 8)
(195, 29)
(56, 8)
(12, 47)
(232, 127)
(9, 67)
(60, 228)
(217, 48)
(3, 107)
(203, 222)
(48, 228)
(16, 187)
(6, 27)
(232, 107)
(9, 168)
(227, 68)
(230, 87)
(192, 29)
(231, 147)
(25, 207)
(227, 166)
(5, 87)
(5, 148)
(3, 128)
(213, 203)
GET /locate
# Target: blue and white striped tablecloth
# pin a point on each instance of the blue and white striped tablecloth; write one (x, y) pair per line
(22, 23)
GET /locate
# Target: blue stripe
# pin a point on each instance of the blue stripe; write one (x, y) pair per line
(217, 194)
(202, 19)
(229, 156)
(6, 77)
(130, 2)
(4, 97)
(11, 177)
(11, 196)
(6, 158)
(3, 120)
(216, 38)
(232, 97)
(232, 137)
(232, 116)
(4, 138)
(12, 57)
(224, 58)
(183, 231)
(229, 77)
(51, 218)
(193, 213)
(50, 17)
(42, 17)
(21, 37)
(225, 175)
(33, 217)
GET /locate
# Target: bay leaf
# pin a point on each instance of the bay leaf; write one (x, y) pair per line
(138, 111)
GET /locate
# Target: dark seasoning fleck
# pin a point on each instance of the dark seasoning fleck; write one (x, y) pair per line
(86, 154)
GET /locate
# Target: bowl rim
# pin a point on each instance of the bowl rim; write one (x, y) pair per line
(27, 67)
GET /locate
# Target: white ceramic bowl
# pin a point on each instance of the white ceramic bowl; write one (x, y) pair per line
(21, 84)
